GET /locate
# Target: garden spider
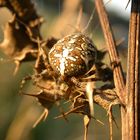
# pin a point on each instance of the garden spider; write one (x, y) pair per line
(66, 70)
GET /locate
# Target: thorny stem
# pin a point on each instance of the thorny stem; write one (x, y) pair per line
(133, 74)
(86, 124)
(111, 45)
(117, 71)
(110, 124)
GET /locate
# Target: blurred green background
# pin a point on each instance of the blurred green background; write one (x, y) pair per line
(18, 113)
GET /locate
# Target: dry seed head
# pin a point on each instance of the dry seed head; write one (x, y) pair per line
(72, 55)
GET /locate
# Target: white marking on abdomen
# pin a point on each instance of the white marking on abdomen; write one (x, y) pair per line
(62, 66)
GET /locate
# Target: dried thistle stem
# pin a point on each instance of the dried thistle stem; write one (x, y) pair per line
(119, 80)
(133, 74)
(111, 46)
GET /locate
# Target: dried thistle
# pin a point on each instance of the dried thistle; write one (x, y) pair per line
(66, 70)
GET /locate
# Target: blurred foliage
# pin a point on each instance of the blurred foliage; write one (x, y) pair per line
(18, 113)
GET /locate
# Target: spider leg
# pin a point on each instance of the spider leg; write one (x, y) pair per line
(42, 65)
(73, 110)
(61, 110)
(34, 77)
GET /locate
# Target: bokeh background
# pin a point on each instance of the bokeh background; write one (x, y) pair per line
(18, 113)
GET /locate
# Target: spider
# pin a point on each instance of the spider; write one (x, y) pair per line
(67, 70)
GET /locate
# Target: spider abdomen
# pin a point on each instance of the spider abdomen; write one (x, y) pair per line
(72, 55)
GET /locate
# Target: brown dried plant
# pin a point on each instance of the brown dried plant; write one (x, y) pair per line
(65, 69)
